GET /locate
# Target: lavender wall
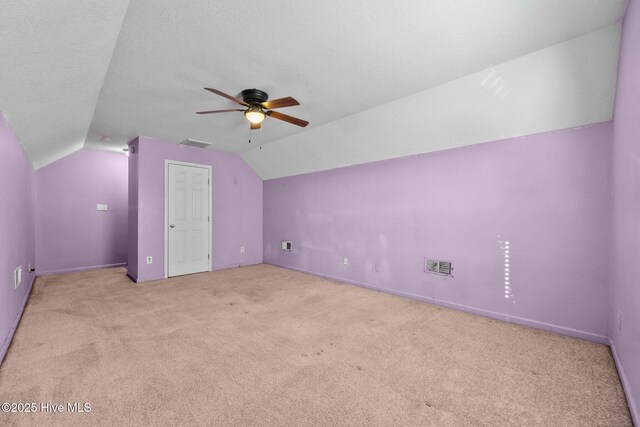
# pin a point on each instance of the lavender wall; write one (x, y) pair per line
(17, 240)
(236, 206)
(70, 233)
(546, 194)
(132, 238)
(625, 289)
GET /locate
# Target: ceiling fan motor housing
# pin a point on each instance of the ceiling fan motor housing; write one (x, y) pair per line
(254, 96)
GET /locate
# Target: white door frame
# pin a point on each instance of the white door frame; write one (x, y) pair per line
(166, 210)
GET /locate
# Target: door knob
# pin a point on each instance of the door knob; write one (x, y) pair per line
(172, 225)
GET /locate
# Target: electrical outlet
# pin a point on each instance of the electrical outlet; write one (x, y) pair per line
(101, 207)
(377, 267)
(241, 249)
(345, 261)
(149, 260)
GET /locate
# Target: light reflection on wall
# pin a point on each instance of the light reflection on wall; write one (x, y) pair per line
(497, 85)
(505, 247)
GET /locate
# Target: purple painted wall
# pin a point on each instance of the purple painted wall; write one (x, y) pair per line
(132, 238)
(17, 239)
(546, 194)
(70, 233)
(625, 289)
(236, 206)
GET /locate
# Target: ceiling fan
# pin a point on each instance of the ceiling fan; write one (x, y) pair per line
(258, 107)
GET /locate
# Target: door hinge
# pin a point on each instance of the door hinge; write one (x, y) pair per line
(208, 219)
(208, 256)
(209, 181)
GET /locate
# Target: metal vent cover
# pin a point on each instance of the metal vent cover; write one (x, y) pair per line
(196, 143)
(437, 266)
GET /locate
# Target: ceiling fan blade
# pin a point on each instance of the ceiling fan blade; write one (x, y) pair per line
(280, 103)
(217, 92)
(217, 111)
(255, 126)
(288, 119)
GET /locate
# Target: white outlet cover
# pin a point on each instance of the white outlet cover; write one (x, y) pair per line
(101, 207)
(345, 261)
(149, 260)
(241, 249)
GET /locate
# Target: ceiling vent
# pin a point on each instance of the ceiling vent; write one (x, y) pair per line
(196, 143)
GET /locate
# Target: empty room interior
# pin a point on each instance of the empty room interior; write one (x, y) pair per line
(320, 213)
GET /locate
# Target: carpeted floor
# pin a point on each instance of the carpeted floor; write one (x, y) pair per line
(262, 345)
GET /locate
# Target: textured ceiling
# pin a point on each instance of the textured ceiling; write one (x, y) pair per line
(337, 58)
(54, 56)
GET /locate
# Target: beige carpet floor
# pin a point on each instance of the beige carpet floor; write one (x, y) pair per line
(262, 345)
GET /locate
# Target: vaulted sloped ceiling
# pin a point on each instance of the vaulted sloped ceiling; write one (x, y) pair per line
(376, 80)
(566, 85)
(54, 57)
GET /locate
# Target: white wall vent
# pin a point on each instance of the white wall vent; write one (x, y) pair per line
(196, 143)
(286, 245)
(437, 266)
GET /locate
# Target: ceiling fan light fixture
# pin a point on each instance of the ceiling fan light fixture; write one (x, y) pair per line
(258, 107)
(255, 115)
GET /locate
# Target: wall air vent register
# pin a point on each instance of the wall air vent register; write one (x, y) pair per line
(438, 266)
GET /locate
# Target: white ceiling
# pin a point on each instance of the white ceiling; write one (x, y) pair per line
(566, 85)
(337, 58)
(54, 56)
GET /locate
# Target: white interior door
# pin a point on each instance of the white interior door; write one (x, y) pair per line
(188, 219)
